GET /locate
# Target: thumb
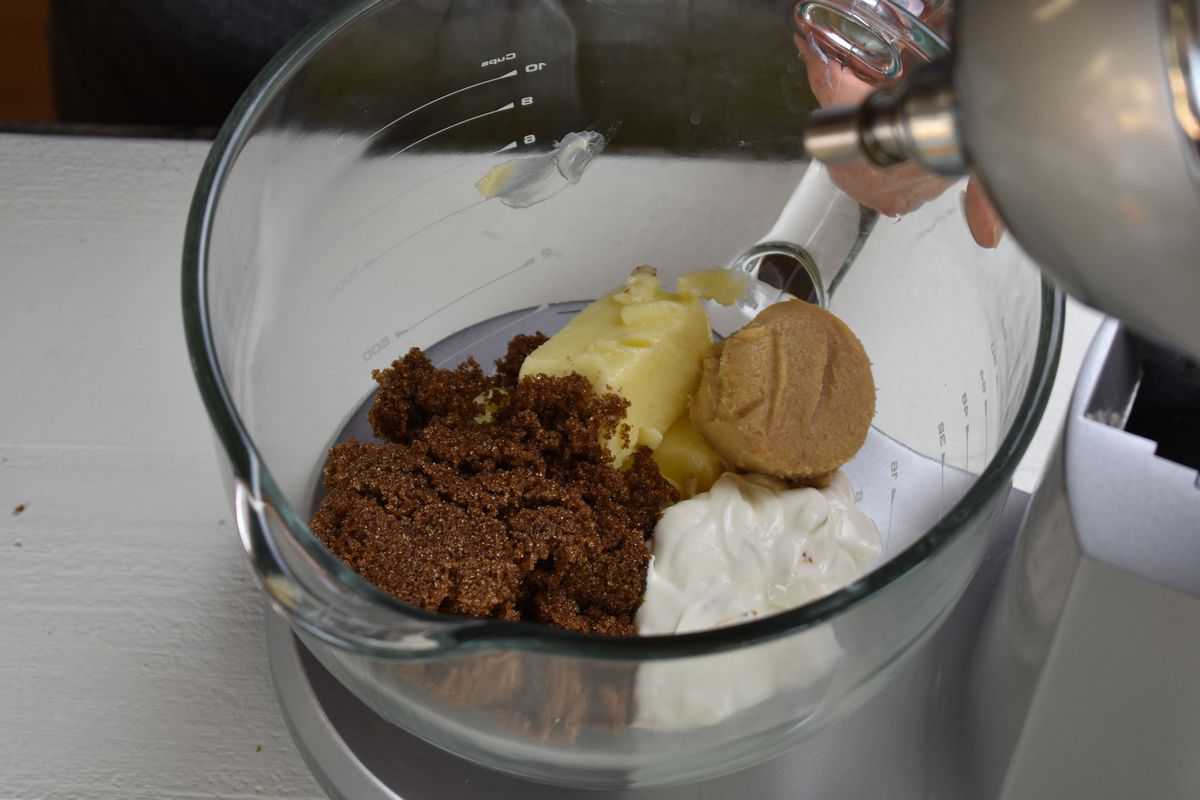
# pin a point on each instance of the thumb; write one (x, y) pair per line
(982, 219)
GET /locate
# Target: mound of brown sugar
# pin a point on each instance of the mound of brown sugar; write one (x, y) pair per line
(520, 518)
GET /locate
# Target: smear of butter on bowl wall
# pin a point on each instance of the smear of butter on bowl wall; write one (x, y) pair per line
(528, 180)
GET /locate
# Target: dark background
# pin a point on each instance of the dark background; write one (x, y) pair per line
(25, 94)
(690, 74)
(162, 66)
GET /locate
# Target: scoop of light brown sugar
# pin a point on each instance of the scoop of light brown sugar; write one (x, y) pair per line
(790, 394)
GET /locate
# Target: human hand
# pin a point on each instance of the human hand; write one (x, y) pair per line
(892, 190)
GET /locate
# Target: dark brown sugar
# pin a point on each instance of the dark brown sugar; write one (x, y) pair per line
(520, 518)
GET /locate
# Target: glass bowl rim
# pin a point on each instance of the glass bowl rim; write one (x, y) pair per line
(249, 466)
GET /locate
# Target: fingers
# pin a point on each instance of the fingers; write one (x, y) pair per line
(831, 83)
(982, 218)
(896, 190)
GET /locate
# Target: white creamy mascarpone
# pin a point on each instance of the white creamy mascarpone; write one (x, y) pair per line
(749, 547)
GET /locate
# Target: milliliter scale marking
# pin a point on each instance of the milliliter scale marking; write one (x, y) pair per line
(966, 407)
(894, 470)
(983, 389)
(941, 429)
(527, 139)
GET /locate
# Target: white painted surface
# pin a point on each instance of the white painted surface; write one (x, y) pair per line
(132, 663)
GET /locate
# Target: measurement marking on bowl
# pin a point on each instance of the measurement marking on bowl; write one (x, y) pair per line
(374, 259)
(891, 514)
(469, 347)
(457, 165)
(361, 268)
(408, 114)
(390, 202)
(942, 489)
(354, 273)
(507, 107)
(985, 432)
(525, 265)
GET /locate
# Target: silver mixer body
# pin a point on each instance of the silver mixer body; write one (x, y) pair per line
(1082, 119)
(1083, 682)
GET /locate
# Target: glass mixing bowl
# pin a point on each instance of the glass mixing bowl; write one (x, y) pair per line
(450, 174)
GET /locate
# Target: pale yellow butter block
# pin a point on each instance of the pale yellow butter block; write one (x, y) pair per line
(641, 342)
(686, 459)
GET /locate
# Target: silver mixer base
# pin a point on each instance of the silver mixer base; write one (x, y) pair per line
(909, 741)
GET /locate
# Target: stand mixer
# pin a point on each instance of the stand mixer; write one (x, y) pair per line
(339, 220)
(1083, 122)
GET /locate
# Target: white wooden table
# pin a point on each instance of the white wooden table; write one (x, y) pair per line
(132, 662)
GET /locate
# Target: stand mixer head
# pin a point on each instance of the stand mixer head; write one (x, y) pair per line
(1082, 120)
